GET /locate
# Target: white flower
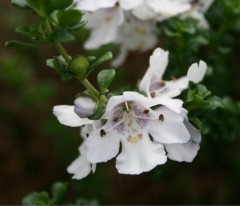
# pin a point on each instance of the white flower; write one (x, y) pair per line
(155, 9)
(81, 167)
(66, 115)
(144, 12)
(129, 4)
(137, 35)
(134, 35)
(153, 84)
(104, 25)
(130, 121)
(196, 72)
(169, 7)
(197, 12)
(186, 151)
(93, 5)
(84, 106)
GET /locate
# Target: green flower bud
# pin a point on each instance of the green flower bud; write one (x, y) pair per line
(79, 66)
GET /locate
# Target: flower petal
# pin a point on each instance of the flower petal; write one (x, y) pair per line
(196, 72)
(195, 133)
(104, 25)
(129, 4)
(102, 145)
(93, 5)
(140, 157)
(66, 115)
(80, 168)
(121, 57)
(87, 129)
(173, 104)
(137, 35)
(169, 8)
(169, 128)
(175, 87)
(186, 151)
(158, 63)
(144, 12)
(182, 152)
(84, 106)
(127, 97)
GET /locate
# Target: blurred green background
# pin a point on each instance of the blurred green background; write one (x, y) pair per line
(35, 149)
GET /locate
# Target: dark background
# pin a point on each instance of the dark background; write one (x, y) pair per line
(35, 149)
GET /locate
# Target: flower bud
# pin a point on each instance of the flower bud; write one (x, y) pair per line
(79, 66)
(84, 106)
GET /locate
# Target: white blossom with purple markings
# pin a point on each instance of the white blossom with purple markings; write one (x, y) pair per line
(153, 84)
(155, 87)
(141, 132)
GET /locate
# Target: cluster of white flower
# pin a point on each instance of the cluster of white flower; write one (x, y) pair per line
(141, 130)
(132, 23)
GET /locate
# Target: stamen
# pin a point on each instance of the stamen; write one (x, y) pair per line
(174, 78)
(162, 84)
(153, 94)
(102, 133)
(143, 117)
(161, 117)
(146, 112)
(108, 19)
(115, 119)
(126, 106)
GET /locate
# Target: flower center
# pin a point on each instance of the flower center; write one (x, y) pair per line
(129, 120)
(108, 19)
(134, 139)
(158, 88)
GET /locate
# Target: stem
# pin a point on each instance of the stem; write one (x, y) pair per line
(90, 87)
(61, 50)
(58, 45)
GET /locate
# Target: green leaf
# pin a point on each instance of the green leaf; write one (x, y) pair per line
(197, 102)
(33, 31)
(36, 5)
(22, 45)
(203, 91)
(61, 35)
(82, 202)
(104, 58)
(59, 191)
(199, 90)
(91, 58)
(69, 17)
(198, 96)
(199, 124)
(61, 67)
(230, 105)
(20, 3)
(104, 79)
(58, 4)
(214, 103)
(36, 199)
(44, 7)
